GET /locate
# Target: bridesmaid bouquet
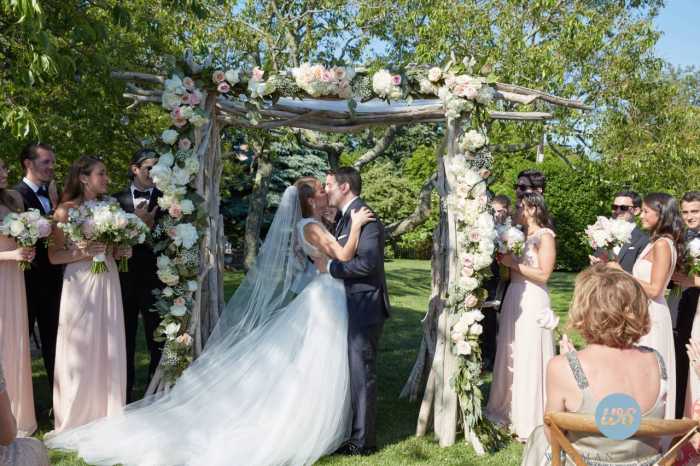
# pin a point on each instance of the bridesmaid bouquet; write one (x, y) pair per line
(103, 222)
(607, 233)
(133, 233)
(692, 257)
(26, 228)
(509, 239)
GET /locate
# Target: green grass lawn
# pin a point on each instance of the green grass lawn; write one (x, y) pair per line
(409, 289)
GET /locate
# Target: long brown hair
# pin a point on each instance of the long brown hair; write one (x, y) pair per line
(73, 188)
(6, 197)
(306, 190)
(670, 224)
(536, 200)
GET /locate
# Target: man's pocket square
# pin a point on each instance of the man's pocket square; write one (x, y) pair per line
(342, 236)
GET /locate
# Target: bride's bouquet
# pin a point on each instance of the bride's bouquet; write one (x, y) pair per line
(608, 234)
(103, 221)
(27, 228)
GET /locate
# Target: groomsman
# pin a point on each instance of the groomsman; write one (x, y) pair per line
(627, 205)
(690, 210)
(141, 198)
(529, 181)
(44, 281)
(496, 287)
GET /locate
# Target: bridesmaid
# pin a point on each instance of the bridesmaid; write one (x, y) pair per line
(14, 332)
(90, 374)
(525, 342)
(653, 269)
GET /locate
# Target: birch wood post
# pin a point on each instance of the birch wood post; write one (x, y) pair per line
(211, 294)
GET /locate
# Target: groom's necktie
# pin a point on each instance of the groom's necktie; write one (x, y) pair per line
(339, 225)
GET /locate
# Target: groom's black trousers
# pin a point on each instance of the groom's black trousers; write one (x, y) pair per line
(362, 353)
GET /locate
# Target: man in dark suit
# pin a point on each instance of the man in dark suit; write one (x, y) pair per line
(688, 304)
(368, 306)
(141, 198)
(44, 281)
(496, 287)
(627, 205)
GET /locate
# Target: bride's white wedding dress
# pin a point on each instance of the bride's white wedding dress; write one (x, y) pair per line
(271, 387)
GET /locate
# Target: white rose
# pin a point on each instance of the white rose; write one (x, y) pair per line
(476, 329)
(185, 235)
(382, 83)
(187, 206)
(178, 310)
(16, 228)
(694, 247)
(168, 277)
(171, 329)
(166, 159)
(233, 77)
(170, 100)
(426, 87)
(163, 261)
(169, 136)
(192, 285)
(173, 83)
(168, 292)
(470, 283)
(464, 348)
(434, 74)
(461, 326)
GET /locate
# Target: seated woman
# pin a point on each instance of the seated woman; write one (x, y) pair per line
(610, 310)
(16, 451)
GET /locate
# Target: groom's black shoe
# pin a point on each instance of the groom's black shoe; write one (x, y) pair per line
(350, 449)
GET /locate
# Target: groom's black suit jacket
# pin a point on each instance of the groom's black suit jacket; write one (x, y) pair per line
(364, 273)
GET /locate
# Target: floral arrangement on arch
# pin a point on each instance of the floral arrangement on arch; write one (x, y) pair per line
(476, 243)
(178, 232)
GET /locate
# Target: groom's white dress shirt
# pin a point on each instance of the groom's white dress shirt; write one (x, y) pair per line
(45, 201)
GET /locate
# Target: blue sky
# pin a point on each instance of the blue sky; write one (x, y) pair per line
(680, 42)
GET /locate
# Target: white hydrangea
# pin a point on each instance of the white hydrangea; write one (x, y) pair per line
(169, 136)
(185, 235)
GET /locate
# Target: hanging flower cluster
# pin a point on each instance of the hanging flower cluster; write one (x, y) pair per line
(319, 81)
(178, 231)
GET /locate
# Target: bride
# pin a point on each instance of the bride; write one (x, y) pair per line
(272, 385)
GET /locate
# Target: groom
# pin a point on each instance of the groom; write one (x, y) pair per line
(368, 306)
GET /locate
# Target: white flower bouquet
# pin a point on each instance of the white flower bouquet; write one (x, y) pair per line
(133, 233)
(103, 222)
(509, 239)
(692, 256)
(319, 81)
(27, 228)
(607, 233)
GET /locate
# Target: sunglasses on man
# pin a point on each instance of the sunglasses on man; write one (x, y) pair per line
(621, 208)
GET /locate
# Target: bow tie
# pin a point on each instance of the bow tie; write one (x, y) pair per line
(691, 235)
(142, 194)
(43, 191)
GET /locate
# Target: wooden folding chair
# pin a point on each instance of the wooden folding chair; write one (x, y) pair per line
(572, 422)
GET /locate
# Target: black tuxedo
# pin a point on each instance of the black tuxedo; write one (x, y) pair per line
(496, 288)
(629, 252)
(43, 283)
(684, 325)
(137, 285)
(368, 307)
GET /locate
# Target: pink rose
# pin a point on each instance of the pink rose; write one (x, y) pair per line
(179, 301)
(468, 262)
(467, 271)
(188, 83)
(258, 74)
(471, 301)
(484, 173)
(218, 76)
(195, 98)
(175, 211)
(179, 122)
(176, 113)
(471, 93)
(327, 76)
(43, 227)
(185, 98)
(184, 144)
(339, 73)
(172, 232)
(396, 80)
(223, 87)
(474, 236)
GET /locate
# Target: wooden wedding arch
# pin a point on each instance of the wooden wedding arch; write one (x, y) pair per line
(436, 361)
